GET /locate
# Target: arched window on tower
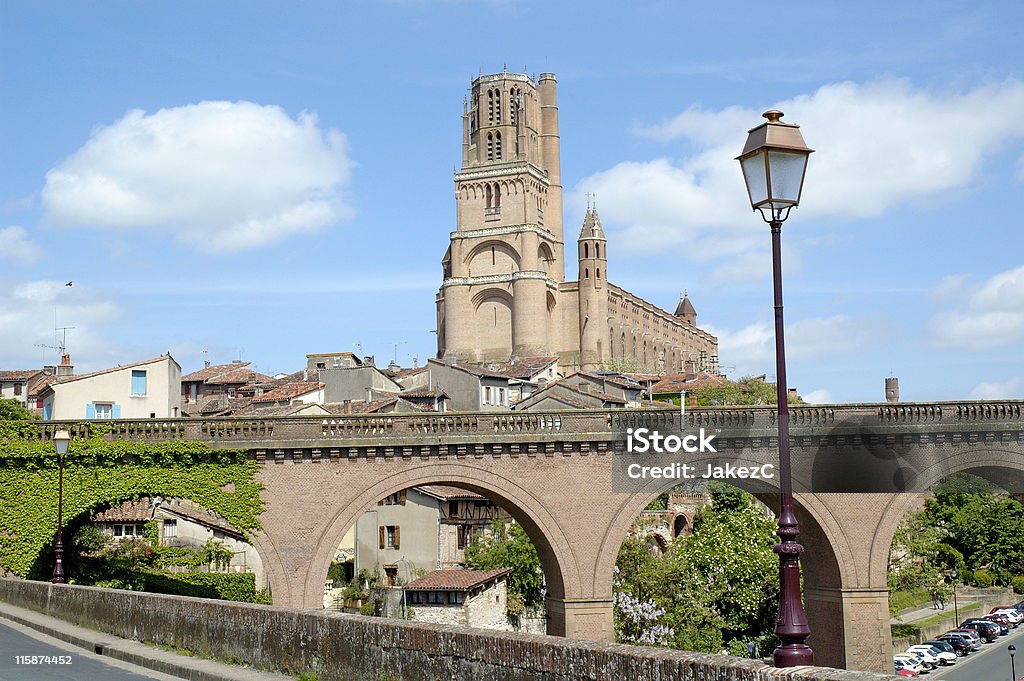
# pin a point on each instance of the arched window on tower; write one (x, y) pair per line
(598, 273)
(490, 147)
(490, 107)
(489, 197)
(586, 251)
(497, 106)
(513, 104)
(497, 145)
(597, 250)
(622, 345)
(497, 196)
(586, 273)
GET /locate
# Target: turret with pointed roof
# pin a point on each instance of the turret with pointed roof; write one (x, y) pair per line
(686, 311)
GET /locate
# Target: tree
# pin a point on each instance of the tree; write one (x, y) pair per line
(715, 589)
(12, 410)
(749, 390)
(508, 546)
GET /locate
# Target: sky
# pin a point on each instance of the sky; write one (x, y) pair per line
(259, 181)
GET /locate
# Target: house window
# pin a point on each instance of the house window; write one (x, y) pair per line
(435, 597)
(501, 396)
(139, 382)
(389, 537)
(170, 528)
(118, 530)
(104, 411)
(453, 510)
(487, 394)
(457, 597)
(17, 388)
(396, 499)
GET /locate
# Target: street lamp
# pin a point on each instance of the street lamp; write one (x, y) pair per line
(773, 161)
(61, 440)
(956, 609)
(1013, 670)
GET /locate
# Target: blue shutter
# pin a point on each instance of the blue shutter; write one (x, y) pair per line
(138, 382)
(116, 411)
(47, 411)
(90, 411)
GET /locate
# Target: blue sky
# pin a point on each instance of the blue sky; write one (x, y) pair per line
(264, 180)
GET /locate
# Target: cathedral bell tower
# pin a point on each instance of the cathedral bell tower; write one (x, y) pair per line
(501, 272)
(593, 299)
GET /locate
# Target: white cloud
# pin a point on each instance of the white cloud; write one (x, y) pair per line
(32, 309)
(993, 315)
(879, 144)
(752, 349)
(818, 397)
(16, 247)
(222, 176)
(1010, 389)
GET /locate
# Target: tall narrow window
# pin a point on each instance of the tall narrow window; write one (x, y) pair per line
(489, 196)
(497, 145)
(490, 147)
(139, 382)
(492, 256)
(598, 275)
(497, 194)
(497, 106)
(586, 273)
(490, 107)
(586, 251)
(597, 250)
(513, 105)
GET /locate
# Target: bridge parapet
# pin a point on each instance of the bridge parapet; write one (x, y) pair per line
(728, 422)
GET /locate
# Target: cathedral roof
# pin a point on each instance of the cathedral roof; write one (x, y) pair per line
(591, 226)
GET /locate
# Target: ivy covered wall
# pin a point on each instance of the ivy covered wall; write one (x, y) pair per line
(99, 473)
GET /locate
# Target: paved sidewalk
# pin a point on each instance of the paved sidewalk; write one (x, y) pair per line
(133, 652)
(926, 611)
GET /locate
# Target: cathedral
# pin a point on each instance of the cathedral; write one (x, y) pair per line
(504, 294)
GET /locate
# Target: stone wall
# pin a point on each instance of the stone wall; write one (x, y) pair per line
(351, 647)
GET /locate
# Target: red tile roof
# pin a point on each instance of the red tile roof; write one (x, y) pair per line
(238, 376)
(521, 368)
(456, 580)
(288, 391)
(673, 383)
(214, 370)
(19, 374)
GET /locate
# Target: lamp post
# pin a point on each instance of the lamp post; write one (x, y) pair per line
(774, 160)
(1013, 670)
(61, 440)
(956, 610)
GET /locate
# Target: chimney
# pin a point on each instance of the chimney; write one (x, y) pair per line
(206, 364)
(66, 369)
(792, 393)
(892, 390)
(691, 400)
(368, 359)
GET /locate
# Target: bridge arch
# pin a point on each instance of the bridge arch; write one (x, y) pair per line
(561, 573)
(993, 464)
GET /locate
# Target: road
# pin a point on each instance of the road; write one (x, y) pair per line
(991, 663)
(26, 655)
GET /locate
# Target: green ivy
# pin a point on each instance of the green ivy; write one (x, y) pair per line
(99, 473)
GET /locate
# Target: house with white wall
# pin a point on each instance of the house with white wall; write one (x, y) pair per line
(148, 389)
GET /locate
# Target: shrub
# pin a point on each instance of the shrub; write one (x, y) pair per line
(228, 587)
(983, 579)
(1018, 584)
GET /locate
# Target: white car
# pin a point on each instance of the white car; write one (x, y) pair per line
(928, 661)
(1012, 614)
(940, 655)
(911, 663)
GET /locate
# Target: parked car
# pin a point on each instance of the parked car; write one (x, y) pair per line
(933, 653)
(905, 671)
(971, 635)
(1011, 614)
(958, 645)
(927, 661)
(986, 630)
(910, 662)
(1002, 622)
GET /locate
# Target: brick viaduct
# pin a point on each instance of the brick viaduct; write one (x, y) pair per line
(555, 473)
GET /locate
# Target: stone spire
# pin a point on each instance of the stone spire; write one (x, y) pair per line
(685, 310)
